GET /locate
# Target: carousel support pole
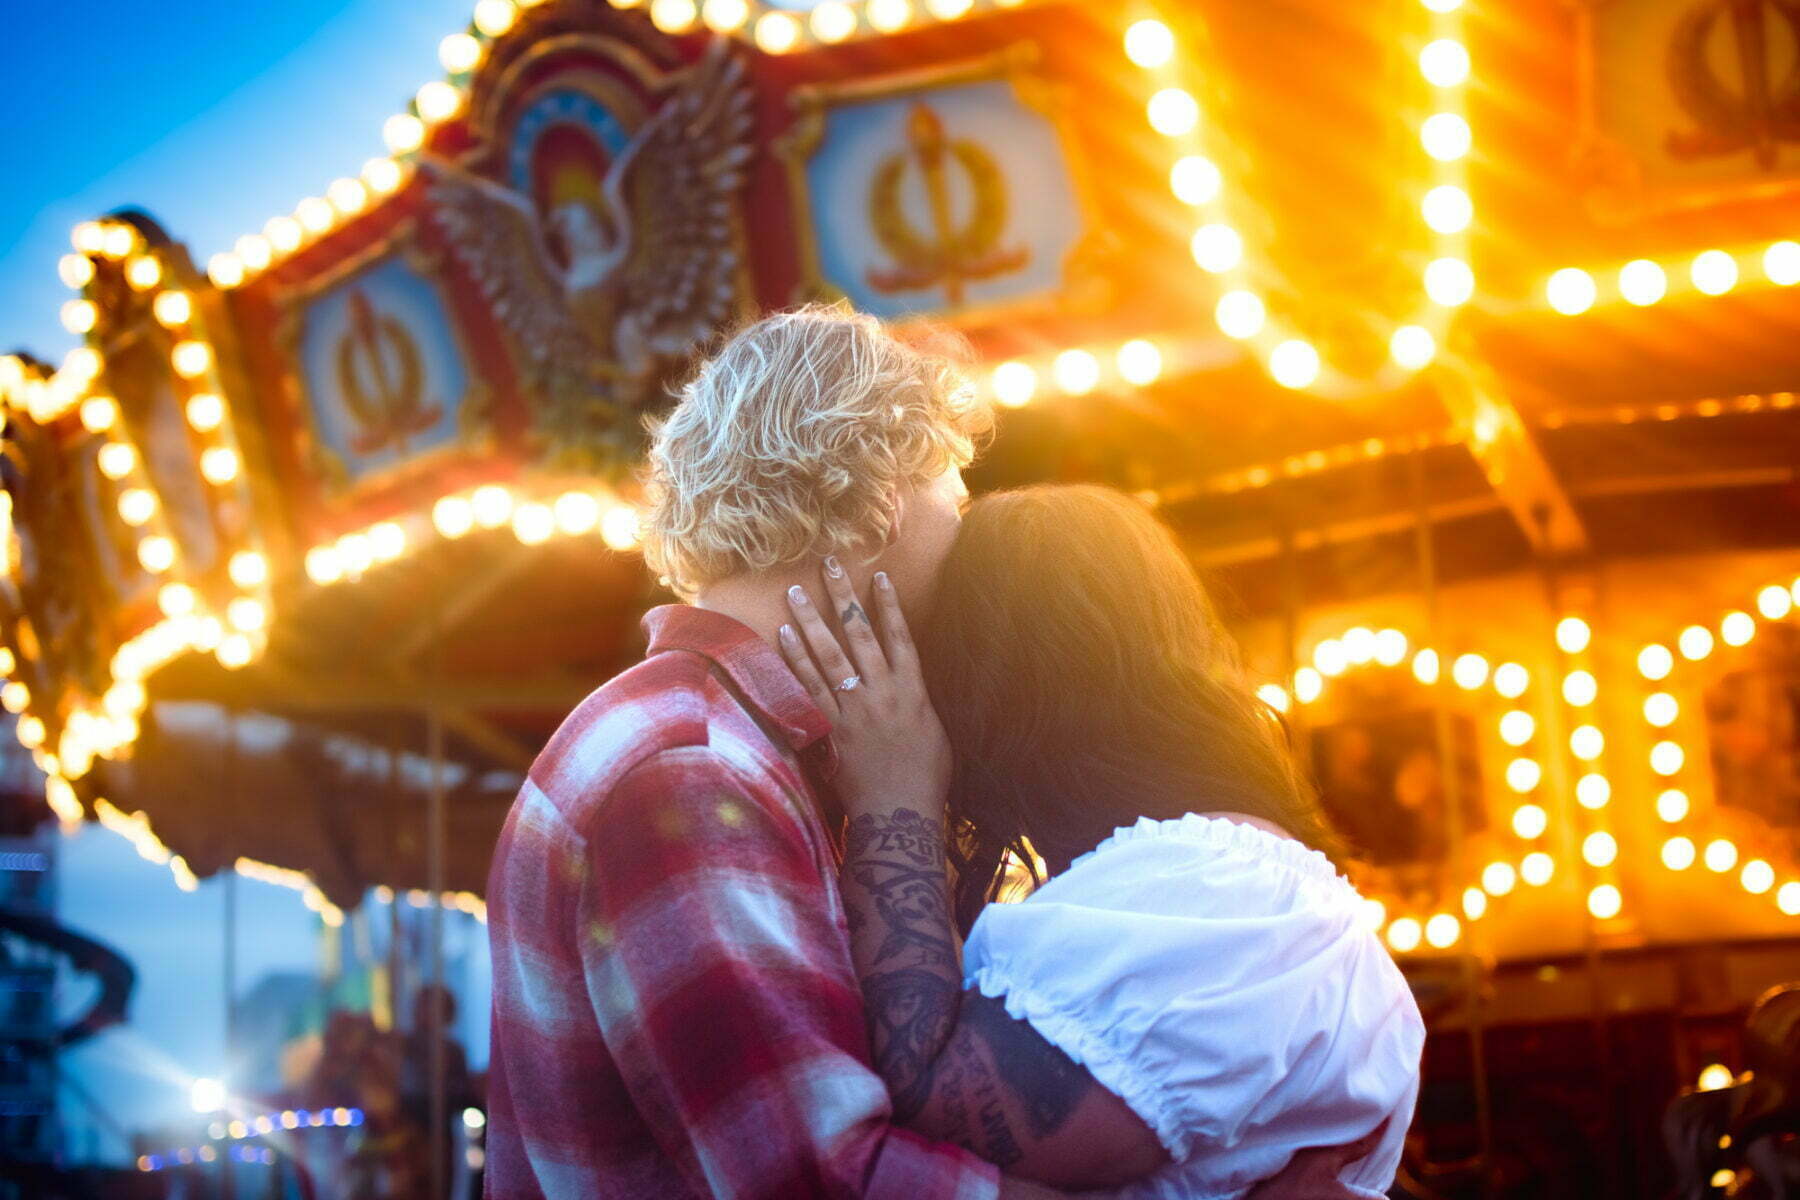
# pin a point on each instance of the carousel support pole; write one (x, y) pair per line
(227, 1178)
(1453, 800)
(396, 937)
(434, 850)
(1292, 598)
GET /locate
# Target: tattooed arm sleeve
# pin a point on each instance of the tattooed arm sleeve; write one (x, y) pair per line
(958, 1067)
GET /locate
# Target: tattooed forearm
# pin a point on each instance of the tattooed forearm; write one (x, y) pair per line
(1046, 1081)
(894, 882)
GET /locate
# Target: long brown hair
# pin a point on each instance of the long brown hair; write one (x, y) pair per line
(1084, 680)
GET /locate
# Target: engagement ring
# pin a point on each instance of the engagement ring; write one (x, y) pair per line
(850, 684)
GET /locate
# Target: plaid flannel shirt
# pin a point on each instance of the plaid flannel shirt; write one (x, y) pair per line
(675, 1010)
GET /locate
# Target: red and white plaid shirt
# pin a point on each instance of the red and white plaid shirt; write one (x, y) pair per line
(675, 1009)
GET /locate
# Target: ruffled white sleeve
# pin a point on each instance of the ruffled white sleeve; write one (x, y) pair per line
(1216, 978)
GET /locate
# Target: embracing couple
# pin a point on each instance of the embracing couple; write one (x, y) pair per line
(743, 933)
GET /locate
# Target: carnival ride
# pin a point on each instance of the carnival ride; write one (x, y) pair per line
(1454, 339)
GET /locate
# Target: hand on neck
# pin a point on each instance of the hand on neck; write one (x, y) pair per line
(759, 599)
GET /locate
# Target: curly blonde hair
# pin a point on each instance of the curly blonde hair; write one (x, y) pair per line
(792, 440)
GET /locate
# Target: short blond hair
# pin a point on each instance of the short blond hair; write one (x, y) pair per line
(792, 440)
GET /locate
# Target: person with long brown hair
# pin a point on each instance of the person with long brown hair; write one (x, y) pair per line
(1192, 1000)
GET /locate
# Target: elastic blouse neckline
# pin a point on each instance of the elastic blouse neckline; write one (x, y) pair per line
(1225, 836)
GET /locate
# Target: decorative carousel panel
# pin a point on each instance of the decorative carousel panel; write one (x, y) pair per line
(942, 191)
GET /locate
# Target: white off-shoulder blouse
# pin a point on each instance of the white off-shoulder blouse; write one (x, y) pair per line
(1217, 978)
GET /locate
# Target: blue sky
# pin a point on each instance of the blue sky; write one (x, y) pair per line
(212, 115)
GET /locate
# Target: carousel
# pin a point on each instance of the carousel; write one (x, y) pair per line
(1453, 338)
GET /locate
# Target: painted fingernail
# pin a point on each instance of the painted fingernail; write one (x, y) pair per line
(787, 633)
(881, 580)
(797, 594)
(833, 567)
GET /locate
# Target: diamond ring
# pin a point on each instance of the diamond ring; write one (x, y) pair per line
(849, 685)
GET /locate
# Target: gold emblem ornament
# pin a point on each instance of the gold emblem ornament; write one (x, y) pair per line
(1763, 109)
(950, 254)
(381, 381)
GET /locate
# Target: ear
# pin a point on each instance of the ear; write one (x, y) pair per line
(896, 502)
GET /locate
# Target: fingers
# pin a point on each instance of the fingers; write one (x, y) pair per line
(859, 630)
(801, 664)
(834, 665)
(896, 638)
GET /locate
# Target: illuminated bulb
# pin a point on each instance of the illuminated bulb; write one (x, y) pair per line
(1787, 899)
(254, 250)
(315, 214)
(1642, 282)
(1774, 602)
(387, 541)
(1469, 671)
(1530, 821)
(533, 523)
(1511, 680)
(323, 565)
(157, 554)
(1449, 281)
(1475, 903)
(1536, 868)
(1014, 383)
(176, 599)
(1587, 743)
(1695, 643)
(1329, 657)
(81, 363)
(1599, 849)
(1444, 63)
(1445, 136)
(1579, 688)
(219, 464)
(88, 237)
(1275, 696)
(1516, 727)
(1573, 635)
(1425, 666)
(1714, 272)
(1666, 758)
(249, 569)
(356, 553)
(172, 308)
(777, 32)
(619, 527)
(234, 652)
(1523, 774)
(459, 53)
(1757, 877)
(1308, 683)
(75, 270)
(1216, 247)
(247, 614)
(118, 241)
(403, 133)
(1442, 930)
(1678, 853)
(1371, 914)
(78, 316)
(453, 516)
(383, 175)
(1390, 647)
(833, 21)
(347, 196)
(492, 505)
(577, 512)
(1404, 934)
(99, 413)
(1593, 791)
(495, 17)
(1571, 290)
(225, 269)
(116, 460)
(948, 10)
(1604, 901)
(1076, 371)
(205, 411)
(1737, 628)
(1359, 646)
(728, 16)
(191, 359)
(1412, 346)
(1173, 112)
(1195, 180)
(1498, 878)
(887, 16)
(1149, 44)
(143, 272)
(1294, 363)
(136, 506)
(1447, 209)
(1140, 362)
(1240, 314)
(1721, 855)
(30, 731)
(439, 100)
(284, 233)
(14, 696)
(1781, 263)
(1655, 662)
(1672, 805)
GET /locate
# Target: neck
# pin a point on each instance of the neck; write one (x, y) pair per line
(759, 599)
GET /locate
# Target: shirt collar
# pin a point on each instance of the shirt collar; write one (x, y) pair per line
(762, 678)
